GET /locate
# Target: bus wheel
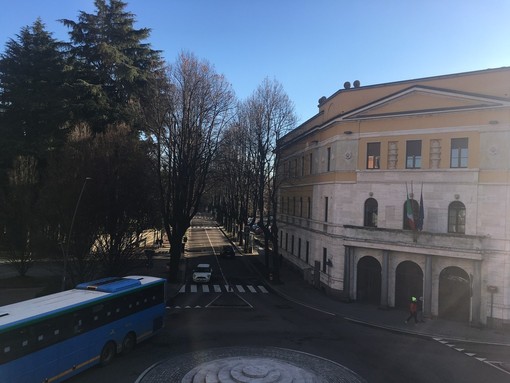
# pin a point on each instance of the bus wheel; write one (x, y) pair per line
(128, 343)
(107, 354)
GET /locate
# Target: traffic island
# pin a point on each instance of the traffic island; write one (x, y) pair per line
(248, 364)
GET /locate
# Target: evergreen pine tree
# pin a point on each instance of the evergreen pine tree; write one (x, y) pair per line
(112, 64)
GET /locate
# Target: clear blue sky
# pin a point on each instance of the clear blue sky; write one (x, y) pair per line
(310, 46)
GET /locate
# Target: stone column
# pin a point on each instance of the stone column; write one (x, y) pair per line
(385, 278)
(427, 288)
(347, 272)
(476, 291)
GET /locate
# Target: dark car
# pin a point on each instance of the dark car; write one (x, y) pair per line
(228, 251)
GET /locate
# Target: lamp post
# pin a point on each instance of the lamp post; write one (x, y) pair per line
(66, 254)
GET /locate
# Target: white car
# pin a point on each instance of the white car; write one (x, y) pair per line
(202, 273)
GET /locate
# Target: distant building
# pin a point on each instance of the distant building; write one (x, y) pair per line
(350, 172)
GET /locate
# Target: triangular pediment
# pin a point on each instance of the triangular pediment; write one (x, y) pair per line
(420, 100)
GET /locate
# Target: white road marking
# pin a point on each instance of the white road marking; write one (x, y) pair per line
(240, 288)
(491, 363)
(205, 288)
(252, 289)
(193, 288)
(263, 289)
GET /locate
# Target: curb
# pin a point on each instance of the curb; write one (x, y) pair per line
(280, 293)
(394, 330)
(421, 335)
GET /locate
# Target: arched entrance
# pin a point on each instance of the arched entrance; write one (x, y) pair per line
(454, 294)
(408, 283)
(368, 286)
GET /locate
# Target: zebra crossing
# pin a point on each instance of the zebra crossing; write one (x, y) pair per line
(203, 227)
(222, 288)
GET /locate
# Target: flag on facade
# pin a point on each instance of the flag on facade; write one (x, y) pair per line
(409, 211)
(421, 215)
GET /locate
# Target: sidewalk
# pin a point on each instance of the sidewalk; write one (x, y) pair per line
(295, 288)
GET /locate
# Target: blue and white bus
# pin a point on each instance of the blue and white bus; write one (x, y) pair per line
(52, 338)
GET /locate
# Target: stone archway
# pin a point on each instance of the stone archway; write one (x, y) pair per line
(454, 294)
(368, 286)
(408, 283)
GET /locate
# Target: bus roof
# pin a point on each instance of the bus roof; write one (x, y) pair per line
(83, 293)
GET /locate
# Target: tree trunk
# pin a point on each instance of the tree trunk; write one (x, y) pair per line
(175, 257)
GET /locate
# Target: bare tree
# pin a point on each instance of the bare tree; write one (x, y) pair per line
(234, 178)
(98, 196)
(185, 140)
(269, 115)
(124, 199)
(17, 204)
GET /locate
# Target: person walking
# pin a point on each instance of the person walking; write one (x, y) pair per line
(413, 310)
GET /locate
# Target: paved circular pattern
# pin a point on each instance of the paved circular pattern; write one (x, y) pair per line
(248, 364)
(247, 369)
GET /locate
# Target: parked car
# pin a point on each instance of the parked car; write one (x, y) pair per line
(202, 273)
(228, 251)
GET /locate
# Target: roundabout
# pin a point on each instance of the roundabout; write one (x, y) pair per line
(247, 364)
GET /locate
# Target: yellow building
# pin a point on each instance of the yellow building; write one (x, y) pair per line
(351, 170)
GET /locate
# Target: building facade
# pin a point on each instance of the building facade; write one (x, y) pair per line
(403, 189)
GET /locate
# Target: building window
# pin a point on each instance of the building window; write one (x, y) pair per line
(459, 153)
(309, 214)
(286, 241)
(300, 206)
(302, 165)
(370, 213)
(410, 224)
(307, 252)
(299, 248)
(373, 155)
(413, 154)
(457, 218)
(281, 237)
(324, 259)
(293, 205)
(295, 168)
(311, 163)
(329, 160)
(292, 245)
(326, 203)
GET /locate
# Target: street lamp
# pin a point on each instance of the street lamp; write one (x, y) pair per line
(66, 254)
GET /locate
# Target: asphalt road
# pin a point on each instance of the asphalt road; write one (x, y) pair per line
(204, 320)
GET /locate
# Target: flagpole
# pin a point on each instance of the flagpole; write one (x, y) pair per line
(409, 211)
(421, 215)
